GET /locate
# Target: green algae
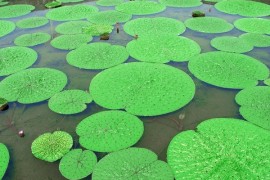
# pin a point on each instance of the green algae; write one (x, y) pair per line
(253, 25)
(32, 22)
(4, 159)
(109, 2)
(6, 27)
(17, 10)
(181, 3)
(32, 39)
(257, 40)
(72, 27)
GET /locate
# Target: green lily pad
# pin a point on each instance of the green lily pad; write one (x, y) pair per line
(32, 39)
(267, 82)
(181, 3)
(97, 29)
(255, 105)
(97, 56)
(228, 70)
(231, 44)
(109, 2)
(32, 22)
(69, 42)
(140, 7)
(154, 26)
(3, 103)
(253, 25)
(71, 1)
(72, 27)
(208, 25)
(141, 89)
(109, 131)
(3, 3)
(53, 4)
(17, 10)
(257, 40)
(69, 13)
(131, 164)
(32, 85)
(220, 148)
(163, 48)
(77, 164)
(14, 59)
(4, 159)
(52, 146)
(69, 101)
(6, 27)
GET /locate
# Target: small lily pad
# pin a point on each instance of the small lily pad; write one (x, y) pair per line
(6, 27)
(32, 39)
(71, 1)
(3, 104)
(181, 3)
(97, 29)
(253, 25)
(53, 4)
(32, 22)
(4, 159)
(72, 27)
(257, 40)
(17, 10)
(267, 82)
(109, 2)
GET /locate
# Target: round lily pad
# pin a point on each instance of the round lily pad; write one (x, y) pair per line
(109, 131)
(17, 10)
(244, 8)
(231, 44)
(97, 29)
(208, 25)
(181, 3)
(14, 59)
(131, 164)
(72, 27)
(140, 7)
(4, 159)
(253, 25)
(32, 85)
(97, 56)
(69, 42)
(69, 13)
(154, 26)
(163, 48)
(32, 22)
(69, 101)
(141, 89)
(32, 39)
(257, 40)
(109, 2)
(6, 27)
(109, 17)
(228, 70)
(52, 146)
(267, 82)
(255, 105)
(220, 148)
(77, 164)
(53, 4)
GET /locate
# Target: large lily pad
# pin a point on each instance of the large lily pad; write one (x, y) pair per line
(17, 10)
(72, 27)
(131, 164)
(32, 85)
(4, 159)
(77, 164)
(32, 22)
(6, 27)
(109, 2)
(69, 101)
(253, 25)
(109, 131)
(221, 148)
(163, 48)
(97, 29)
(97, 56)
(228, 70)
(32, 39)
(15, 58)
(181, 3)
(141, 88)
(52, 146)
(257, 40)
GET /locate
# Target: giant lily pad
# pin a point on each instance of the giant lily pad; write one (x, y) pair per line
(32, 85)
(253, 25)
(32, 22)
(17, 10)
(109, 2)
(163, 48)
(208, 25)
(221, 148)
(228, 70)
(6, 27)
(255, 105)
(181, 3)
(131, 164)
(97, 29)
(77, 164)
(4, 159)
(52, 146)
(109, 131)
(257, 40)
(14, 59)
(69, 101)
(72, 27)
(141, 88)
(32, 39)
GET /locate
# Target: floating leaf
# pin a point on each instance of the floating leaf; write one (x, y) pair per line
(77, 164)
(253, 25)
(72, 27)
(267, 82)
(109, 2)
(32, 85)
(141, 89)
(3, 104)
(32, 39)
(4, 159)
(53, 4)
(17, 10)
(3, 3)
(257, 40)
(6, 27)
(131, 164)
(109, 131)
(221, 148)
(97, 29)
(32, 22)
(52, 146)
(14, 59)
(228, 70)
(71, 1)
(181, 3)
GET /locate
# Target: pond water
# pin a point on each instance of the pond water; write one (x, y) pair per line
(36, 119)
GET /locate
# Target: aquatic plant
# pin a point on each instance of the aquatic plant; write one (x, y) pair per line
(72, 27)
(53, 4)
(181, 3)
(4, 159)
(97, 29)
(3, 104)
(32, 39)
(6, 27)
(71, 1)
(2, 3)
(17, 10)
(253, 25)
(257, 40)
(109, 2)
(267, 82)
(198, 14)
(32, 22)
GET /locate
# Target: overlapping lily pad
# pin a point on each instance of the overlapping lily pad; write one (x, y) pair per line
(77, 164)
(97, 29)
(32, 85)
(267, 82)
(109, 2)
(132, 163)
(6, 27)
(228, 70)
(72, 27)
(220, 148)
(109, 131)
(154, 26)
(2, 3)
(181, 3)
(163, 48)
(17, 10)
(253, 25)
(69, 101)
(52, 146)
(140, 7)
(208, 25)
(32, 22)
(32, 39)
(97, 56)
(4, 159)
(257, 40)
(231, 44)
(141, 89)
(15, 58)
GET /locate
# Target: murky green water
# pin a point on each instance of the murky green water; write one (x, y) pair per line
(36, 119)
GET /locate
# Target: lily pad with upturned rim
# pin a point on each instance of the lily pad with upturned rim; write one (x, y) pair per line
(32, 39)
(53, 4)
(257, 40)
(17, 10)
(97, 29)
(71, 1)
(4, 159)
(181, 3)
(2, 3)
(32, 22)
(72, 27)
(6, 27)
(253, 25)
(109, 2)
